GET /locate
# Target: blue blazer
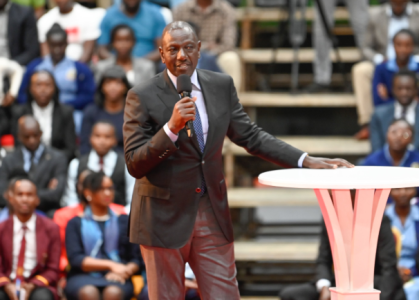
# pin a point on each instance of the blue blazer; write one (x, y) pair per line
(85, 85)
(380, 122)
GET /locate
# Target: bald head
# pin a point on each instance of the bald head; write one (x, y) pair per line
(180, 48)
(29, 132)
(179, 25)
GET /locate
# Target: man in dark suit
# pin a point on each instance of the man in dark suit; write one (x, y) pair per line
(405, 107)
(179, 210)
(36, 265)
(46, 166)
(386, 276)
(55, 118)
(18, 29)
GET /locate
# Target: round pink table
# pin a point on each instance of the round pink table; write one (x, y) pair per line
(352, 229)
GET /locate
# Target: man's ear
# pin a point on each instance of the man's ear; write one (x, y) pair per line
(161, 55)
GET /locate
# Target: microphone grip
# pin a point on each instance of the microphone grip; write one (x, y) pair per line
(189, 124)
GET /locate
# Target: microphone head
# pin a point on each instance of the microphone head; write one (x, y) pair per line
(184, 84)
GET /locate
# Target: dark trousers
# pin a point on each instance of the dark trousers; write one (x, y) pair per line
(37, 294)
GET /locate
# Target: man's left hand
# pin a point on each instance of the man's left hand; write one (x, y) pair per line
(325, 163)
(28, 287)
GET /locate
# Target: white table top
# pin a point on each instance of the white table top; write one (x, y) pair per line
(343, 178)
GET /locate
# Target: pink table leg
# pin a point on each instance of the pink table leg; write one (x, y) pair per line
(353, 235)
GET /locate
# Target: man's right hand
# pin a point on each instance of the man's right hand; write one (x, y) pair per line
(325, 293)
(10, 290)
(183, 111)
(120, 269)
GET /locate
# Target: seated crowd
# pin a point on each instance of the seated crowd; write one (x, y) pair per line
(65, 189)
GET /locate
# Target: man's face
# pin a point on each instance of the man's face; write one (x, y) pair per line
(398, 6)
(30, 136)
(404, 89)
(403, 196)
(103, 138)
(57, 45)
(25, 198)
(42, 88)
(132, 6)
(403, 46)
(180, 51)
(123, 42)
(399, 136)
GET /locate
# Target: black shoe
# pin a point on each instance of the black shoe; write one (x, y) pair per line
(317, 88)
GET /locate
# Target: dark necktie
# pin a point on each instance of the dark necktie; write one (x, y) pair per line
(33, 165)
(404, 111)
(101, 163)
(21, 257)
(197, 125)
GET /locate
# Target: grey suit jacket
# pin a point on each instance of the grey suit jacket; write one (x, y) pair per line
(144, 69)
(52, 164)
(376, 35)
(380, 122)
(165, 200)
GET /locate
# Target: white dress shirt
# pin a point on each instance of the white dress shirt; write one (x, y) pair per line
(396, 24)
(109, 161)
(14, 71)
(410, 112)
(30, 252)
(200, 105)
(44, 117)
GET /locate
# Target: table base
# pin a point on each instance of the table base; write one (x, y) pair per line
(355, 295)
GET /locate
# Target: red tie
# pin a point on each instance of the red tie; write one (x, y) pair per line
(101, 163)
(21, 257)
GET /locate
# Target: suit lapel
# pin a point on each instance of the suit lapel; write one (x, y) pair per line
(55, 120)
(7, 239)
(210, 96)
(41, 240)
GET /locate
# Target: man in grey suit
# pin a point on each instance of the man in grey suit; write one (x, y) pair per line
(384, 22)
(179, 211)
(47, 167)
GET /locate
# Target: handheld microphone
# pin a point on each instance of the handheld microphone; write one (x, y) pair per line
(184, 88)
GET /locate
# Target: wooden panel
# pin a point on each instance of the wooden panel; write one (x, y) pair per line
(277, 14)
(329, 145)
(305, 55)
(275, 251)
(259, 99)
(257, 197)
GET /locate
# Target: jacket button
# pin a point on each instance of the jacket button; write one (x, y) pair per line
(198, 190)
(203, 162)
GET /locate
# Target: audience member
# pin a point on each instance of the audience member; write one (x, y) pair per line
(101, 257)
(7, 211)
(80, 25)
(102, 158)
(405, 222)
(404, 44)
(37, 5)
(144, 18)
(137, 69)
(18, 33)
(46, 166)
(217, 30)
(110, 101)
(55, 118)
(322, 66)
(384, 22)
(74, 79)
(13, 71)
(405, 92)
(63, 215)
(386, 277)
(395, 152)
(29, 247)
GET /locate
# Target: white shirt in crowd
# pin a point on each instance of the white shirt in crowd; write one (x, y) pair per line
(44, 117)
(30, 251)
(109, 162)
(11, 69)
(395, 25)
(81, 24)
(200, 105)
(410, 112)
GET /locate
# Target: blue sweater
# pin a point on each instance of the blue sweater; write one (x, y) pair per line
(382, 158)
(74, 79)
(384, 74)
